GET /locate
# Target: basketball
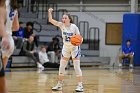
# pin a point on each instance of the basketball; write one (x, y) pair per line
(76, 40)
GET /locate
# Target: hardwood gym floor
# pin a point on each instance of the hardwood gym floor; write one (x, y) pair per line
(96, 80)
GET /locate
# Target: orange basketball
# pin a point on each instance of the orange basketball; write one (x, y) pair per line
(76, 40)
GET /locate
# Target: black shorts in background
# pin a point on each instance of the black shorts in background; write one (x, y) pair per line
(51, 65)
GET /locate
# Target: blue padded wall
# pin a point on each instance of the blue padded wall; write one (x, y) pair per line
(131, 30)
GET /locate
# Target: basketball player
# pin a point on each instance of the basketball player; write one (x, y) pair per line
(12, 24)
(6, 43)
(68, 30)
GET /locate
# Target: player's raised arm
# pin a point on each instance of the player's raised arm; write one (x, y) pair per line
(54, 22)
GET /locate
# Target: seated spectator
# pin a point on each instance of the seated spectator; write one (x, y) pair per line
(18, 36)
(28, 49)
(54, 50)
(28, 31)
(127, 52)
(43, 57)
(20, 32)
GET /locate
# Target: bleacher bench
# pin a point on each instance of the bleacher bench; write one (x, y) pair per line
(22, 61)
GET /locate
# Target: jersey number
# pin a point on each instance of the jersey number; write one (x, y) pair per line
(67, 39)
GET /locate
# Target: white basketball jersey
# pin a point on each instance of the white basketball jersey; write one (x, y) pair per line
(10, 17)
(68, 32)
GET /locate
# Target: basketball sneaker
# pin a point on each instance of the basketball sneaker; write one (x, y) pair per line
(58, 87)
(130, 66)
(120, 65)
(40, 66)
(79, 88)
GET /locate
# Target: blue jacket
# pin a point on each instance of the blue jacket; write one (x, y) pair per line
(127, 50)
(20, 32)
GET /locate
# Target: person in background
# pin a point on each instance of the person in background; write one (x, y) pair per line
(127, 52)
(54, 50)
(28, 49)
(28, 31)
(18, 36)
(20, 32)
(43, 58)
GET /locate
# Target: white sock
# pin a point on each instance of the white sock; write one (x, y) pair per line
(80, 83)
(60, 82)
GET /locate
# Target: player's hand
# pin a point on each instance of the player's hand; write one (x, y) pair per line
(50, 10)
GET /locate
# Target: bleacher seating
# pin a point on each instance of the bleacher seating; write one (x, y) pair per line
(22, 61)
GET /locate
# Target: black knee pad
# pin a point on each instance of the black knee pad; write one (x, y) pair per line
(2, 72)
(1, 67)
